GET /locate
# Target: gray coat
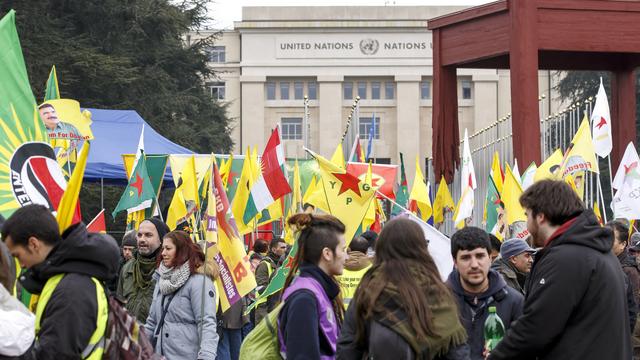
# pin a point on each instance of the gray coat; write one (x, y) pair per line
(179, 337)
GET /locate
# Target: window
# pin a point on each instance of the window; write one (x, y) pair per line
(271, 90)
(466, 89)
(362, 89)
(425, 90)
(291, 128)
(389, 90)
(347, 89)
(365, 127)
(375, 90)
(298, 90)
(312, 90)
(284, 90)
(216, 54)
(217, 90)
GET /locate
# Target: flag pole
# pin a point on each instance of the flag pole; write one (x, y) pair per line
(610, 175)
(604, 212)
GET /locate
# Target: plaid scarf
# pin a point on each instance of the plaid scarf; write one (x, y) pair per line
(448, 331)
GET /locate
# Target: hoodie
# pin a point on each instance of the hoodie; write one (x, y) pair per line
(474, 308)
(69, 318)
(576, 306)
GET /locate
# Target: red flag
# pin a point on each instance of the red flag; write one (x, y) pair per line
(98, 224)
(382, 176)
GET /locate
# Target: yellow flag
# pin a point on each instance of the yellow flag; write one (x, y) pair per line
(69, 201)
(225, 170)
(296, 199)
(190, 183)
(338, 157)
(511, 198)
(569, 180)
(550, 168)
(177, 212)
(370, 215)
(596, 211)
(581, 155)
(310, 190)
(420, 193)
(442, 202)
(315, 195)
(496, 172)
(241, 197)
(209, 222)
(347, 197)
(178, 162)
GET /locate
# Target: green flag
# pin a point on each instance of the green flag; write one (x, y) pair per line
(22, 133)
(139, 192)
(402, 197)
(156, 167)
(277, 281)
(52, 92)
(494, 210)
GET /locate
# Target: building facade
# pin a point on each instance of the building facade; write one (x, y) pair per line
(275, 56)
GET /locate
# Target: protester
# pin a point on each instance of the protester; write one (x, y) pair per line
(312, 313)
(371, 237)
(476, 287)
(495, 247)
(230, 330)
(401, 309)
(514, 263)
(261, 247)
(629, 266)
(18, 327)
(136, 281)
(576, 306)
(129, 245)
(7, 265)
(182, 318)
(267, 267)
(634, 245)
(354, 268)
(67, 272)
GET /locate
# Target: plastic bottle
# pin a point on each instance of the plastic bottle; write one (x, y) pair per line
(493, 329)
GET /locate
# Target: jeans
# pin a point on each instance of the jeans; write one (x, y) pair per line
(229, 344)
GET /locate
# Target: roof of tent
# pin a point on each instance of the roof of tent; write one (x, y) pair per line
(117, 132)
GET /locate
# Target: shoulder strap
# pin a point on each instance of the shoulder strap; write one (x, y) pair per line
(164, 313)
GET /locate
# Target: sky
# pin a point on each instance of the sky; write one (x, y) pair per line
(225, 12)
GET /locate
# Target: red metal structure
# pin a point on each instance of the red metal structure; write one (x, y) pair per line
(526, 36)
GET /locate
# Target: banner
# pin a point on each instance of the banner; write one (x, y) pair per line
(383, 176)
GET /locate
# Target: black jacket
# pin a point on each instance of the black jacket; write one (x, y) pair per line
(474, 310)
(69, 318)
(576, 306)
(299, 314)
(382, 343)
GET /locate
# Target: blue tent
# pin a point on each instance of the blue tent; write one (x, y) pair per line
(117, 132)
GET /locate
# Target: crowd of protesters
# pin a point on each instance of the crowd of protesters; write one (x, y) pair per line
(569, 291)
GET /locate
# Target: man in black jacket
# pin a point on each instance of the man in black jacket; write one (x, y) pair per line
(576, 306)
(66, 271)
(476, 287)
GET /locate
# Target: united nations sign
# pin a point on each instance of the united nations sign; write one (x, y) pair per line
(338, 45)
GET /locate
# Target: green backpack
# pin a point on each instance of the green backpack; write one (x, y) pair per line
(262, 342)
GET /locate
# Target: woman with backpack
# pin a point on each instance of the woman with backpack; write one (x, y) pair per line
(402, 309)
(182, 318)
(312, 311)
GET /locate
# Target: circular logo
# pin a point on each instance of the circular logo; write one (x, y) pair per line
(369, 46)
(36, 177)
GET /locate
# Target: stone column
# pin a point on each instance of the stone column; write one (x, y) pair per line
(329, 127)
(252, 116)
(485, 102)
(408, 123)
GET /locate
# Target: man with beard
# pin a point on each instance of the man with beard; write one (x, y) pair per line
(576, 306)
(136, 283)
(476, 287)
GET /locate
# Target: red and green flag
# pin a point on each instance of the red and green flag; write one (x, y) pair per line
(139, 192)
(402, 195)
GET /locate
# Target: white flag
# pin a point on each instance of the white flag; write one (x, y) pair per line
(601, 124)
(626, 201)
(629, 161)
(465, 206)
(439, 247)
(529, 174)
(516, 171)
(468, 178)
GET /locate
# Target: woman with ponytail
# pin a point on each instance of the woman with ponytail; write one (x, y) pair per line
(311, 316)
(402, 309)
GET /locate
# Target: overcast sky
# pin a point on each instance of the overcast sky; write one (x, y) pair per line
(225, 12)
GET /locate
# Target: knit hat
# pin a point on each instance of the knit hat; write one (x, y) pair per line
(129, 239)
(161, 227)
(634, 244)
(513, 247)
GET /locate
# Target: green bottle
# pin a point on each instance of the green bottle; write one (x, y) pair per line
(493, 329)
